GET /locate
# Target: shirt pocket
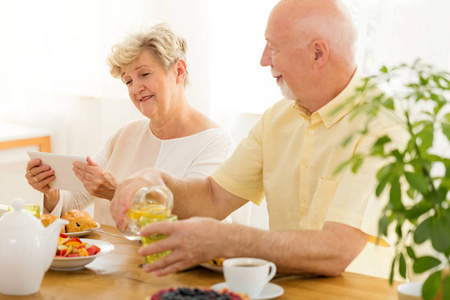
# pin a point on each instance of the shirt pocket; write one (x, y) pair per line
(315, 218)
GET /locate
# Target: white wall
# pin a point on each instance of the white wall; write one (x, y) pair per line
(55, 72)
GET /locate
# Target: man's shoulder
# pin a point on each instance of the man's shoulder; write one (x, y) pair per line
(280, 108)
(283, 104)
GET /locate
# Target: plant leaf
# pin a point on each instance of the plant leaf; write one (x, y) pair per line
(381, 186)
(425, 263)
(426, 136)
(440, 237)
(391, 274)
(378, 146)
(446, 288)
(383, 224)
(410, 252)
(423, 231)
(357, 164)
(418, 210)
(341, 167)
(412, 193)
(395, 195)
(417, 181)
(402, 266)
(347, 140)
(431, 286)
(446, 130)
(389, 103)
(446, 118)
(384, 172)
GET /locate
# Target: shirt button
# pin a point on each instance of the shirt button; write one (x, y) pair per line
(328, 123)
(311, 132)
(305, 165)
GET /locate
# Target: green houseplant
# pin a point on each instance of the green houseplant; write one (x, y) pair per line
(415, 177)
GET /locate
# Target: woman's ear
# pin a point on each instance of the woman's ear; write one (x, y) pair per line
(180, 70)
(321, 52)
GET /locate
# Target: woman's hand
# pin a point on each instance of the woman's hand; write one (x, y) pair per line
(39, 176)
(97, 181)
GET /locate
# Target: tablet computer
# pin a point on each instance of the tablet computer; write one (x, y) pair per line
(62, 165)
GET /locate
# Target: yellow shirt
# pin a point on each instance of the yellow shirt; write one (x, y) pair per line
(290, 158)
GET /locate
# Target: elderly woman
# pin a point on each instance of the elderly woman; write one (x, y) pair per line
(173, 137)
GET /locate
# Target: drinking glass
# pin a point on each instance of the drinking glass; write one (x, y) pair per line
(34, 209)
(154, 201)
(148, 219)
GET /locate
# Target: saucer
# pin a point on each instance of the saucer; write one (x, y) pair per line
(271, 290)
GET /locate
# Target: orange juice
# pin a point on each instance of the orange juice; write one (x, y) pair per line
(155, 201)
(34, 209)
(148, 219)
(135, 214)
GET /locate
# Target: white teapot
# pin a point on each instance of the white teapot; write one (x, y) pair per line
(27, 249)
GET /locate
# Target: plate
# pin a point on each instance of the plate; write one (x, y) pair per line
(271, 290)
(82, 233)
(211, 267)
(77, 263)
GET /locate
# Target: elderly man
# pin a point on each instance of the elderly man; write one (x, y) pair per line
(319, 221)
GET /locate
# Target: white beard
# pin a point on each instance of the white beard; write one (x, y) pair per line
(287, 92)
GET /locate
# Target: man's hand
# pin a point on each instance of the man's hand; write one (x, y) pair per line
(120, 203)
(325, 252)
(97, 181)
(192, 241)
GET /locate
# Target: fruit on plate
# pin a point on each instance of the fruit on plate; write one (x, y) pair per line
(74, 247)
(184, 293)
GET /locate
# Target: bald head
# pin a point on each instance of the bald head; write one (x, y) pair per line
(304, 21)
(310, 49)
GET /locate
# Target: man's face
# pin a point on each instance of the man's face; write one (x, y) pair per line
(288, 56)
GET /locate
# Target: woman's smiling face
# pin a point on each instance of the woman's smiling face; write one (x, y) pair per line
(150, 87)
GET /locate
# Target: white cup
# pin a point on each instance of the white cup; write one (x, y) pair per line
(248, 275)
(410, 291)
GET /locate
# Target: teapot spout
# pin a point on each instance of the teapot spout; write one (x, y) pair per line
(51, 237)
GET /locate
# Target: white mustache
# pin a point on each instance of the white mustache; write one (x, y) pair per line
(274, 72)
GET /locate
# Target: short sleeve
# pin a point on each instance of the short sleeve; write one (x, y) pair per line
(242, 173)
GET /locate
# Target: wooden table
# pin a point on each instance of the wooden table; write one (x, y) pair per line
(117, 276)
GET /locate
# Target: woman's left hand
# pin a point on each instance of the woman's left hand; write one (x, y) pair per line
(97, 181)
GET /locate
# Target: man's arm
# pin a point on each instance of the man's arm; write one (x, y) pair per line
(192, 196)
(322, 252)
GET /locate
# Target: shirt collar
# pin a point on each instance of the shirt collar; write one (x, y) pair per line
(337, 108)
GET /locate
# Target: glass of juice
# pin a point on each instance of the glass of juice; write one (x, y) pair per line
(149, 219)
(34, 209)
(155, 201)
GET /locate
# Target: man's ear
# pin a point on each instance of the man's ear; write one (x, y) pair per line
(321, 52)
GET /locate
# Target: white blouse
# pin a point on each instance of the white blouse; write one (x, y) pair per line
(134, 147)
